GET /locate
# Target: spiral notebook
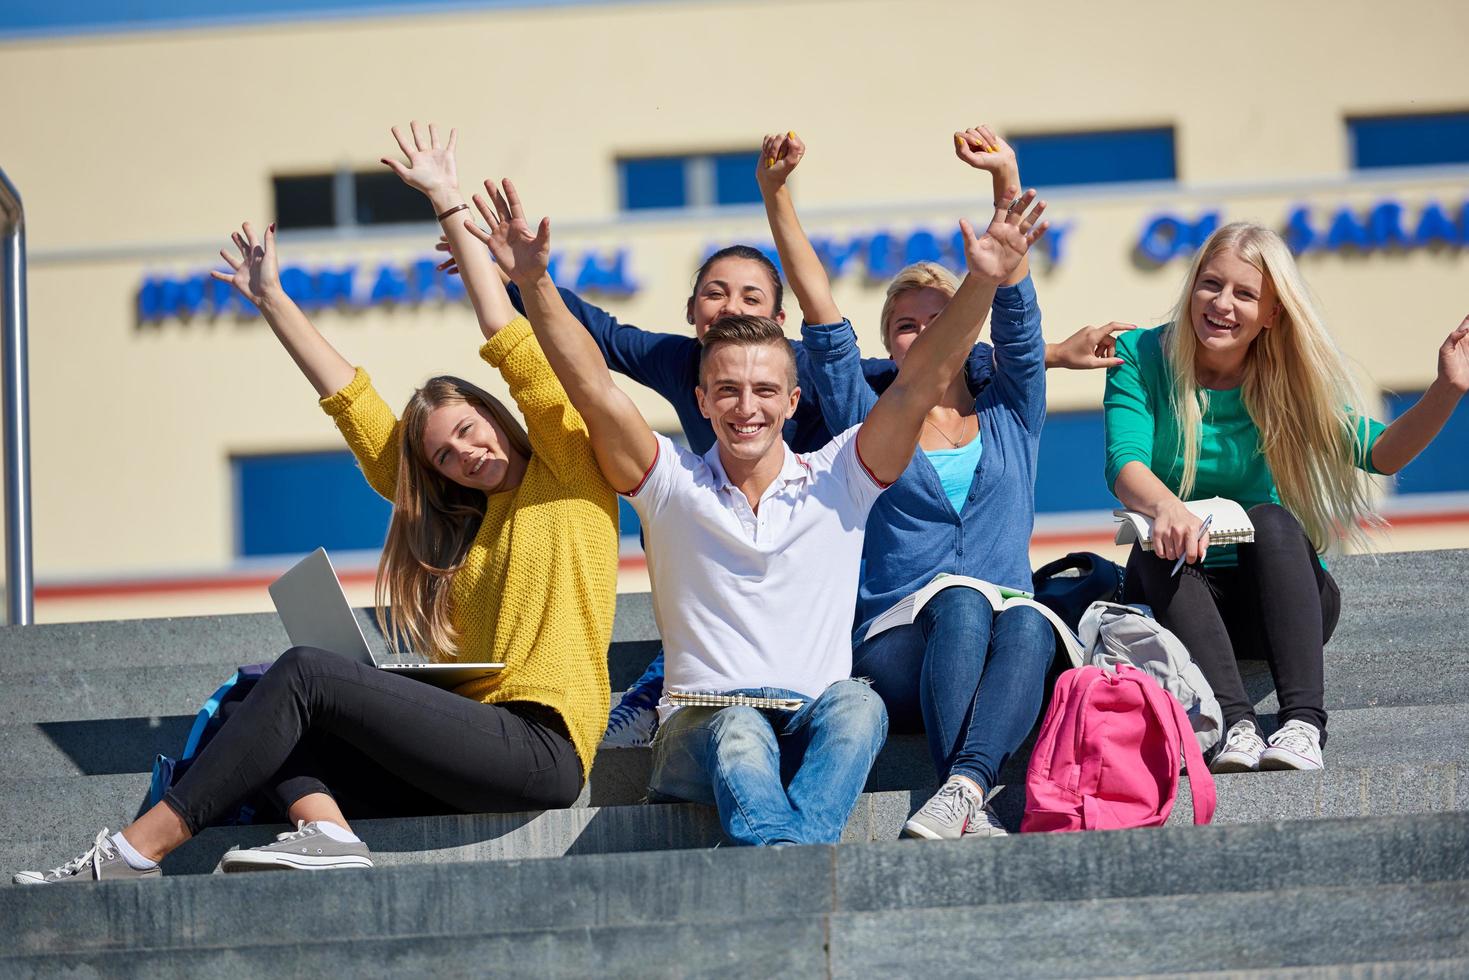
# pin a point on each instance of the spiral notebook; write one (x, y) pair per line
(706, 699)
(1231, 523)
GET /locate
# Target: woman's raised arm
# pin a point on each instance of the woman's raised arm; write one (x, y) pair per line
(256, 274)
(779, 156)
(431, 169)
(1411, 432)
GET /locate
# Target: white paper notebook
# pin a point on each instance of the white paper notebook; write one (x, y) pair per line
(1231, 524)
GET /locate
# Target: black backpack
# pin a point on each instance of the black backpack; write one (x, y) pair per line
(1068, 585)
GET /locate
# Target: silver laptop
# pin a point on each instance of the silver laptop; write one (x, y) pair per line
(315, 612)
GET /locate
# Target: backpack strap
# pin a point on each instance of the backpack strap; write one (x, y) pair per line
(1200, 783)
(201, 720)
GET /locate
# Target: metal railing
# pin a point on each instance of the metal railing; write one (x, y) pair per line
(19, 583)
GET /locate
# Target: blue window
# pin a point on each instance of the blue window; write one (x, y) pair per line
(1409, 141)
(292, 503)
(653, 182)
(1444, 466)
(1101, 157)
(1073, 457)
(734, 178)
(696, 180)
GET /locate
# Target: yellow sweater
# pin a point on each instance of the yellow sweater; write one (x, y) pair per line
(538, 586)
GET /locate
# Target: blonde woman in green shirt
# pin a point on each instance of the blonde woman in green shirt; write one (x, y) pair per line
(1245, 396)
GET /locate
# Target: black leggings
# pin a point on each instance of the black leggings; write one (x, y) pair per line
(1278, 604)
(379, 743)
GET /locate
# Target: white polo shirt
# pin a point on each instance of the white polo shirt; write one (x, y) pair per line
(755, 599)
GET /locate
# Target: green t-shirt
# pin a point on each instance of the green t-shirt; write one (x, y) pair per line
(1142, 426)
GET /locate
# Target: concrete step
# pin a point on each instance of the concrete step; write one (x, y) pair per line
(1086, 939)
(1359, 680)
(711, 886)
(73, 810)
(224, 641)
(1441, 969)
(1150, 935)
(1264, 896)
(1358, 737)
(1386, 609)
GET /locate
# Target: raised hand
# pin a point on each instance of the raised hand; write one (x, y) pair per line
(1088, 348)
(998, 252)
(430, 168)
(1453, 358)
(779, 155)
(983, 149)
(255, 273)
(523, 255)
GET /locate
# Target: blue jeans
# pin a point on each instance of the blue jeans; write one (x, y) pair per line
(777, 777)
(973, 681)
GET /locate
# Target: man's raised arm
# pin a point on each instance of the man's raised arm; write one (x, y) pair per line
(624, 445)
(890, 432)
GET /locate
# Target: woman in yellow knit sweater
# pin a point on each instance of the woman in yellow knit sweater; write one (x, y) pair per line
(502, 547)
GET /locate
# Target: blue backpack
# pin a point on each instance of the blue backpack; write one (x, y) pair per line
(207, 723)
(1067, 586)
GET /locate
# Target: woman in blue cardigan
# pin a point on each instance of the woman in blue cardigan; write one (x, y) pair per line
(969, 678)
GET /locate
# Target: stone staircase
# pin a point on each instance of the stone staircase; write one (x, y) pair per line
(1360, 870)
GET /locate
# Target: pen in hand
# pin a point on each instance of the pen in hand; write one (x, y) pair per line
(1203, 530)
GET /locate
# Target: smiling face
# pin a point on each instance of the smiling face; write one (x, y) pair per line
(1232, 301)
(747, 395)
(912, 311)
(733, 287)
(464, 444)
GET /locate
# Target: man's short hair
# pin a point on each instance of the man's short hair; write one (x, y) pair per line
(748, 331)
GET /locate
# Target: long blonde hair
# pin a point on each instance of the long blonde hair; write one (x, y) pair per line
(919, 275)
(434, 521)
(1298, 390)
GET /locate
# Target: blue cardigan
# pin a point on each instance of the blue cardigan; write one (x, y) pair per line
(913, 532)
(669, 364)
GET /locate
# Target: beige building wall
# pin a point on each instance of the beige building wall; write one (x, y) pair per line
(139, 153)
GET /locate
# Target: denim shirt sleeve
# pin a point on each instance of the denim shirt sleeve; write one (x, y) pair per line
(656, 360)
(835, 365)
(1020, 352)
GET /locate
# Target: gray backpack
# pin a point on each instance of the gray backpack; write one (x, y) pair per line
(1112, 634)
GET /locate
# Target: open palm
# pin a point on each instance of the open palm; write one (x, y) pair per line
(997, 253)
(254, 273)
(1453, 358)
(523, 254)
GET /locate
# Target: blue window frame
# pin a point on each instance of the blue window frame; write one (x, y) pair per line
(734, 178)
(1073, 457)
(1409, 141)
(291, 503)
(1444, 466)
(653, 182)
(1100, 157)
(690, 180)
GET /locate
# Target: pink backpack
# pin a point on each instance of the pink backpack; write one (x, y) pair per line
(1107, 756)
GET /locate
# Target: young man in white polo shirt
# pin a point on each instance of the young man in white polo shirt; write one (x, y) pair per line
(752, 549)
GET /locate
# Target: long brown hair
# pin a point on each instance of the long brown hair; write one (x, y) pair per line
(434, 522)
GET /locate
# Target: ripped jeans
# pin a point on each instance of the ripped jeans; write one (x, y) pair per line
(776, 777)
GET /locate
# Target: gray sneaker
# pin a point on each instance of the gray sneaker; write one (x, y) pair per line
(957, 811)
(305, 849)
(98, 862)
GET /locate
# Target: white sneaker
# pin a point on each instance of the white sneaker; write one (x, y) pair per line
(1242, 749)
(1297, 745)
(957, 811)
